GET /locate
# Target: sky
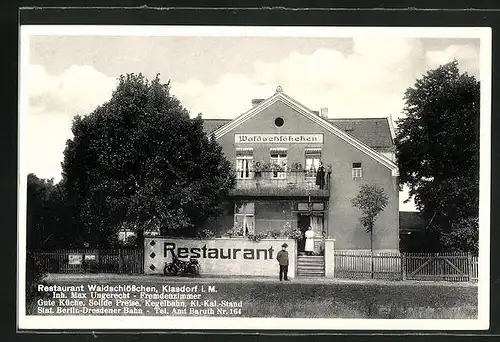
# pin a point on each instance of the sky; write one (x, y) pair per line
(219, 76)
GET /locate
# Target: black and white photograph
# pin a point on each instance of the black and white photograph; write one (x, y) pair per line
(217, 177)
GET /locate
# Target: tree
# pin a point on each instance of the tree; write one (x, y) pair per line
(464, 236)
(46, 214)
(38, 211)
(437, 146)
(371, 200)
(139, 161)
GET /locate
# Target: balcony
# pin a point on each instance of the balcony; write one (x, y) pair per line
(280, 183)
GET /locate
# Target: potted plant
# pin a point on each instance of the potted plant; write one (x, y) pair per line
(257, 237)
(236, 230)
(258, 168)
(205, 234)
(273, 234)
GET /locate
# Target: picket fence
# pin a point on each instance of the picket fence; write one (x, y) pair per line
(403, 266)
(348, 264)
(126, 261)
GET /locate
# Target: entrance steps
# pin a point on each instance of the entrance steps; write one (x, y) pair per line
(310, 266)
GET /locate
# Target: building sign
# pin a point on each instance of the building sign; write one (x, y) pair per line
(278, 138)
(224, 256)
(74, 259)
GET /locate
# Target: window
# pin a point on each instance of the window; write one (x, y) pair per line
(303, 206)
(278, 163)
(243, 166)
(356, 170)
(313, 158)
(244, 216)
(317, 206)
(244, 161)
(279, 122)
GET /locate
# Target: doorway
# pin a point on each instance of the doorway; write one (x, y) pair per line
(316, 221)
(303, 223)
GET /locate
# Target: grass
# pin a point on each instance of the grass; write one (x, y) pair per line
(333, 300)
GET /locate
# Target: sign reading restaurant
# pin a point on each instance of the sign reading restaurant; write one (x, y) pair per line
(278, 138)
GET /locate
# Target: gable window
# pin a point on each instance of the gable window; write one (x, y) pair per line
(244, 161)
(356, 171)
(278, 160)
(313, 158)
(244, 217)
(279, 122)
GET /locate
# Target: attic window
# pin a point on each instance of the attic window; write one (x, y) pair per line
(279, 122)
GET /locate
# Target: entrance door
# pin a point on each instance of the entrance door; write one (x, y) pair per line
(303, 223)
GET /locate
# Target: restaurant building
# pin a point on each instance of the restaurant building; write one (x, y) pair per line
(295, 168)
(277, 148)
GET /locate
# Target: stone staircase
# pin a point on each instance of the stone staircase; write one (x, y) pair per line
(310, 266)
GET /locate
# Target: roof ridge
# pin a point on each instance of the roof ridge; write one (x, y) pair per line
(365, 118)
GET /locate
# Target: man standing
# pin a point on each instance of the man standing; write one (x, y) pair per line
(282, 258)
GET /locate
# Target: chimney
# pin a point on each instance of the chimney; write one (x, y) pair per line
(323, 112)
(256, 102)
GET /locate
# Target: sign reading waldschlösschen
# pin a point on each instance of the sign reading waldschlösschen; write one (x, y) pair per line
(278, 138)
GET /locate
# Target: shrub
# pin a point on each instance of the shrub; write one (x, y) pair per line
(257, 237)
(205, 234)
(291, 232)
(463, 237)
(273, 234)
(34, 275)
(237, 230)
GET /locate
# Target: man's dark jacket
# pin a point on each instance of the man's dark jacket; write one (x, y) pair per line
(282, 258)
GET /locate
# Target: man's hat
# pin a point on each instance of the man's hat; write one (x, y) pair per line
(284, 245)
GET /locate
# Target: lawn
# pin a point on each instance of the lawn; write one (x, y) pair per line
(327, 300)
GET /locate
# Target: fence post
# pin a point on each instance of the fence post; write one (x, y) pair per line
(403, 265)
(469, 264)
(120, 261)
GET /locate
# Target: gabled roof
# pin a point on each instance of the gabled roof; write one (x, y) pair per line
(375, 132)
(210, 125)
(301, 109)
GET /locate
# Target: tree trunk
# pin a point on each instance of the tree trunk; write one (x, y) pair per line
(371, 249)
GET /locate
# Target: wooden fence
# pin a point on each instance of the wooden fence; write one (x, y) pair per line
(126, 261)
(348, 264)
(402, 266)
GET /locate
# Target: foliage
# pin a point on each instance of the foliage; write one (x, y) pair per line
(297, 167)
(257, 237)
(131, 241)
(49, 223)
(34, 275)
(371, 200)
(464, 236)
(268, 166)
(437, 146)
(205, 234)
(291, 232)
(140, 159)
(273, 234)
(236, 230)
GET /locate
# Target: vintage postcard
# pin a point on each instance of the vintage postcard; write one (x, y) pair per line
(263, 178)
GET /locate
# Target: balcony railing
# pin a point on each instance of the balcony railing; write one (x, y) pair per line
(281, 183)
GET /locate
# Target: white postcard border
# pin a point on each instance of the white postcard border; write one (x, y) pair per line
(209, 323)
